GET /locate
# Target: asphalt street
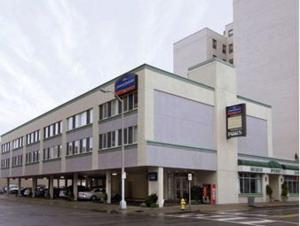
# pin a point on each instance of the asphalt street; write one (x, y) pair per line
(14, 213)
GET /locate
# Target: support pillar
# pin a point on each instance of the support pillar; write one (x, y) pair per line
(160, 200)
(51, 187)
(108, 186)
(75, 187)
(157, 187)
(66, 182)
(34, 184)
(7, 186)
(265, 182)
(19, 186)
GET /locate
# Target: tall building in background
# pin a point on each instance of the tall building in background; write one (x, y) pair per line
(266, 59)
(201, 46)
(262, 43)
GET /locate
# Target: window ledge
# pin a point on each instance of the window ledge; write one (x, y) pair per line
(118, 115)
(17, 149)
(52, 160)
(78, 155)
(49, 138)
(27, 145)
(16, 166)
(78, 128)
(127, 146)
(32, 163)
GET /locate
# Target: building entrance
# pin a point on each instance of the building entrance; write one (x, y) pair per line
(181, 187)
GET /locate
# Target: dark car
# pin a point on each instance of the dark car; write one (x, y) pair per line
(56, 192)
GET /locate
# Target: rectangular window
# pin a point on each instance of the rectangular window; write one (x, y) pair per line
(130, 101)
(113, 138)
(119, 137)
(224, 49)
(125, 136)
(130, 135)
(76, 147)
(84, 146)
(109, 139)
(230, 48)
(214, 43)
(250, 183)
(70, 123)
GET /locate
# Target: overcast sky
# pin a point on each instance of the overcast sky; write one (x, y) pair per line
(52, 51)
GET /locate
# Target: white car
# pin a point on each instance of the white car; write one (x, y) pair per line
(93, 195)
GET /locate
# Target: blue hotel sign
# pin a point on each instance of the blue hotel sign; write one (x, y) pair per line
(125, 84)
(236, 121)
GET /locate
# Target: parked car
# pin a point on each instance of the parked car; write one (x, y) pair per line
(68, 192)
(27, 192)
(56, 192)
(13, 189)
(93, 195)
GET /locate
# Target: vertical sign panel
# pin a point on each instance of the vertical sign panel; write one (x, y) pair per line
(236, 121)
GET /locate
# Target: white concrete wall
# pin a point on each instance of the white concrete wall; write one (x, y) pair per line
(266, 44)
(195, 49)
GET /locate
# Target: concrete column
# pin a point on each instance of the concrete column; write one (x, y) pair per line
(75, 187)
(108, 186)
(51, 187)
(34, 184)
(7, 184)
(160, 179)
(157, 187)
(66, 183)
(19, 186)
(58, 182)
(265, 182)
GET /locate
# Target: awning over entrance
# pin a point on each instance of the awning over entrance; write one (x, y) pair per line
(270, 167)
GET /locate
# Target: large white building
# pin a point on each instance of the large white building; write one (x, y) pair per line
(262, 43)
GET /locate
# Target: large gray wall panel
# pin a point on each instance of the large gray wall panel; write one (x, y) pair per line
(112, 159)
(180, 158)
(79, 163)
(178, 120)
(256, 141)
(53, 166)
(80, 133)
(52, 142)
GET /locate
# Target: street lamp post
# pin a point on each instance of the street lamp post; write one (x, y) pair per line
(123, 204)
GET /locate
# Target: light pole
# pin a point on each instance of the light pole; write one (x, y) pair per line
(123, 204)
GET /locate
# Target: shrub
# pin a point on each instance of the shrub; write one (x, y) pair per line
(284, 191)
(269, 191)
(151, 200)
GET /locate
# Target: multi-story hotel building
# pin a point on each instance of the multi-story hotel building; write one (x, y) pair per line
(173, 126)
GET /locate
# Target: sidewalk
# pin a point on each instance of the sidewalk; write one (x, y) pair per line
(137, 210)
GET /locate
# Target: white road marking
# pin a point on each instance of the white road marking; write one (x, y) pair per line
(231, 218)
(257, 222)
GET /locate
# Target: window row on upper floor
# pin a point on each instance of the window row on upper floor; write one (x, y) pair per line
(33, 137)
(114, 107)
(106, 110)
(80, 146)
(53, 129)
(33, 157)
(5, 147)
(114, 138)
(53, 152)
(17, 143)
(17, 160)
(81, 119)
(5, 163)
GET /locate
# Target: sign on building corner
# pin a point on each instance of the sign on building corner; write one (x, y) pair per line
(236, 121)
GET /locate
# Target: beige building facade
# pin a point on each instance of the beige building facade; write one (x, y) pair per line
(173, 126)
